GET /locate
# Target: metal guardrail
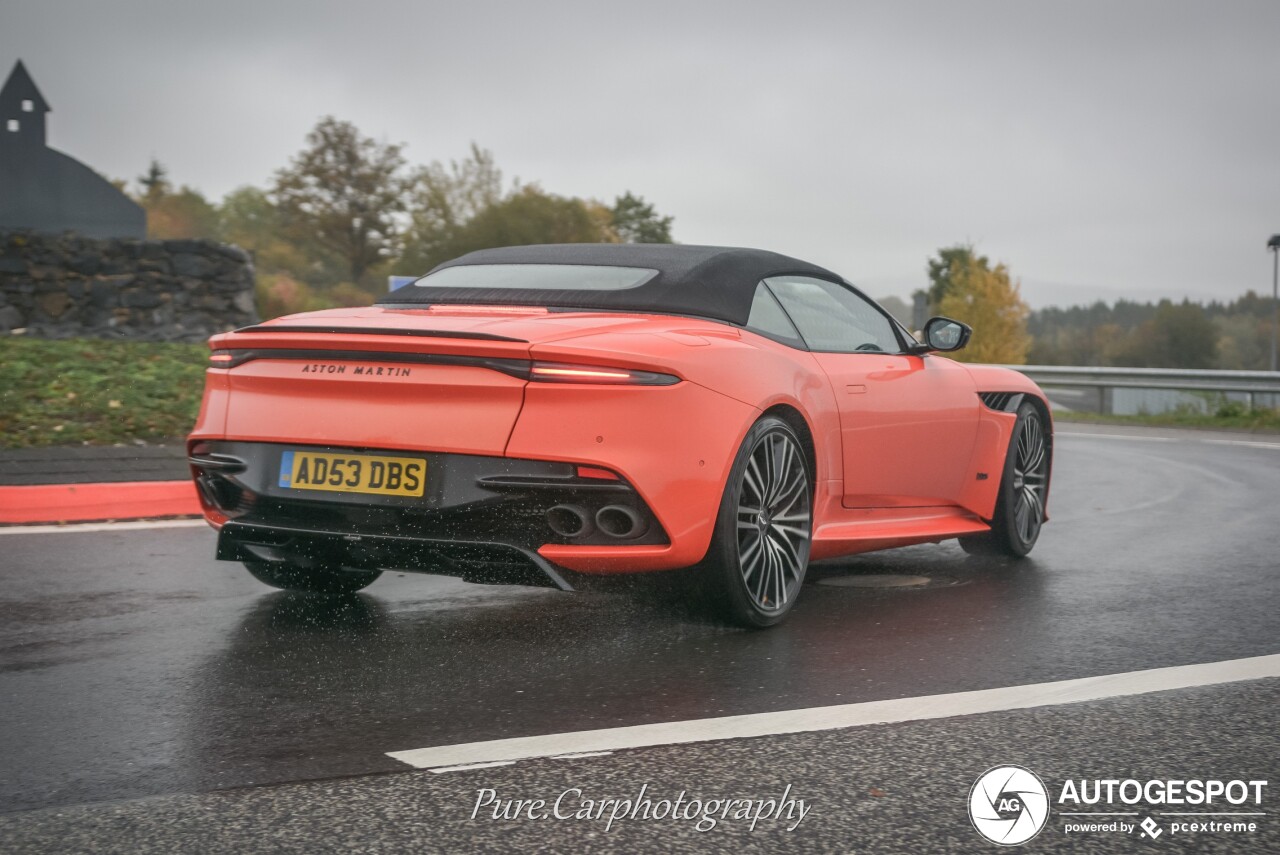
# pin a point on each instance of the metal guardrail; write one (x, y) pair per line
(1248, 383)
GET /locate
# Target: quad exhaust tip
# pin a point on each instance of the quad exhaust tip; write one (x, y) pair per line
(619, 521)
(569, 521)
(615, 521)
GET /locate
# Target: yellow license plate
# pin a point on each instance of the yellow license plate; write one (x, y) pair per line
(353, 473)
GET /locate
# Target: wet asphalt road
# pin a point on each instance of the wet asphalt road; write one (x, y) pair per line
(132, 664)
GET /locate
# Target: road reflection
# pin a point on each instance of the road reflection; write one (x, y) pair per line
(376, 674)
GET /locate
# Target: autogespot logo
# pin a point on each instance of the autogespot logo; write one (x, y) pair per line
(1008, 805)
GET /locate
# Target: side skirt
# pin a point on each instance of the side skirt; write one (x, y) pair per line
(868, 530)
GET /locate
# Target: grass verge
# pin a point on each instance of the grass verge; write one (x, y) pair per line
(97, 392)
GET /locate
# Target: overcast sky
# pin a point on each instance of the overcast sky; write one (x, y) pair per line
(1101, 150)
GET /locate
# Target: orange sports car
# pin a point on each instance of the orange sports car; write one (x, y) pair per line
(539, 414)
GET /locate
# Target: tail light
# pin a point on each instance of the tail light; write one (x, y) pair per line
(556, 372)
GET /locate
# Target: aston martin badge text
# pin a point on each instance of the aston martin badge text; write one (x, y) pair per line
(357, 370)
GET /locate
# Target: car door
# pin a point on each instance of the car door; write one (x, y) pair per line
(907, 422)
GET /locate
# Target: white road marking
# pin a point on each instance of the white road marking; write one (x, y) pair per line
(842, 716)
(466, 766)
(1249, 443)
(103, 526)
(1058, 433)
(1246, 442)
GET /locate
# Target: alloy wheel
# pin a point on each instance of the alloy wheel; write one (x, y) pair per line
(774, 518)
(1030, 479)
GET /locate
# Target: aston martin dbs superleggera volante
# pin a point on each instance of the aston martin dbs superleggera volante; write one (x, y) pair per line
(540, 414)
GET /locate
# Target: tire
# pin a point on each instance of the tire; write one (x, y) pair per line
(759, 552)
(1024, 486)
(319, 579)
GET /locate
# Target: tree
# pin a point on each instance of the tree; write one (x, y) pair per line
(1243, 342)
(635, 221)
(527, 217)
(345, 191)
(940, 270)
(156, 182)
(184, 214)
(1179, 336)
(442, 201)
(172, 215)
(990, 302)
(249, 219)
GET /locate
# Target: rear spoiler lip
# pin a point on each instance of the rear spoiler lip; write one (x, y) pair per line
(337, 330)
(518, 368)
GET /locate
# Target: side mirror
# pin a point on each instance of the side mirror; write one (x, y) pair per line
(945, 335)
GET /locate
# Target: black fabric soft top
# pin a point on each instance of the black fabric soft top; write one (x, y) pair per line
(705, 281)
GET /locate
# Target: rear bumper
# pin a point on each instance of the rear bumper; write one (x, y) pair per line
(481, 518)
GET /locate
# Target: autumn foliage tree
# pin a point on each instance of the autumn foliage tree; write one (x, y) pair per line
(345, 192)
(442, 201)
(986, 299)
(171, 214)
(530, 216)
(940, 270)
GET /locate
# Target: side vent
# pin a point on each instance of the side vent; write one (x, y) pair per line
(1002, 402)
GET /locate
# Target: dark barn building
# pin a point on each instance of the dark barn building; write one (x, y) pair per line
(45, 190)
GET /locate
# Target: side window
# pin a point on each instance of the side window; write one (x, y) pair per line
(832, 318)
(768, 318)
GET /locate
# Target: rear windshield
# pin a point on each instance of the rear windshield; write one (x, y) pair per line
(536, 277)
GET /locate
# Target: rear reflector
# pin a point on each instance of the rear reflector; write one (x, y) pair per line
(593, 472)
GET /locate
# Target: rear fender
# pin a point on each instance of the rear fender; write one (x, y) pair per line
(674, 444)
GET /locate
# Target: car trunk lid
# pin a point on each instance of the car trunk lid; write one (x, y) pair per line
(374, 379)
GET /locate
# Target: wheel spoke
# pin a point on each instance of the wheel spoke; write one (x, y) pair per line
(781, 583)
(749, 558)
(789, 553)
(791, 491)
(779, 575)
(1020, 513)
(753, 479)
(1037, 504)
(1036, 458)
(778, 455)
(1031, 513)
(1034, 447)
(766, 572)
(796, 531)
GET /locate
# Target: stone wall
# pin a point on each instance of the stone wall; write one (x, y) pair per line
(68, 286)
